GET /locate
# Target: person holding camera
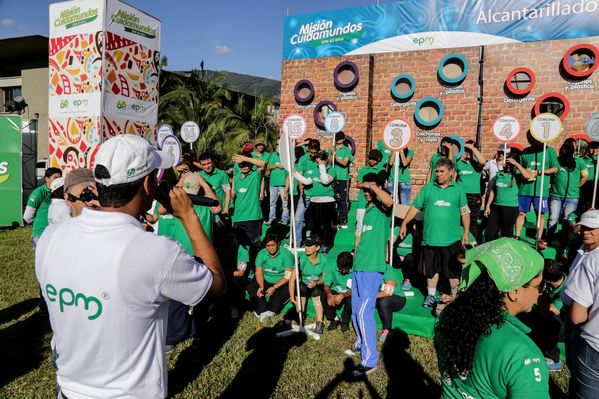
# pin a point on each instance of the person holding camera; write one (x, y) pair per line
(306, 163)
(318, 177)
(109, 312)
(337, 291)
(80, 191)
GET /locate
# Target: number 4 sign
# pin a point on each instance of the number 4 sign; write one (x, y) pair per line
(295, 126)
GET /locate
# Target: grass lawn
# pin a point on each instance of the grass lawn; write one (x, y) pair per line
(235, 360)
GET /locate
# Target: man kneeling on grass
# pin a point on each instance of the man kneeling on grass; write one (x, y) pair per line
(337, 291)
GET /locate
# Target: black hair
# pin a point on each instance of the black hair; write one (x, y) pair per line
(189, 164)
(345, 260)
(567, 149)
(375, 154)
(448, 163)
(552, 270)
(116, 195)
(299, 152)
(271, 237)
(52, 171)
(58, 193)
(313, 144)
(339, 136)
(464, 322)
(207, 156)
(374, 178)
(593, 145)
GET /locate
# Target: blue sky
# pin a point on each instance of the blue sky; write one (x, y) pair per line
(233, 35)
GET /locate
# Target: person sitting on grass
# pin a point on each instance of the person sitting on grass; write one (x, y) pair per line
(311, 265)
(482, 348)
(274, 266)
(337, 291)
(389, 299)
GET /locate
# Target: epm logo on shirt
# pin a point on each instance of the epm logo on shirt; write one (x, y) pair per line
(67, 297)
(442, 203)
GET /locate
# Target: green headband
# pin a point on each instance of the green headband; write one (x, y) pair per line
(510, 264)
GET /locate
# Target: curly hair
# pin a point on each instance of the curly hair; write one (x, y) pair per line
(464, 323)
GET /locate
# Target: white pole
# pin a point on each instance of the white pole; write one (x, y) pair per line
(504, 153)
(540, 196)
(395, 184)
(292, 226)
(595, 182)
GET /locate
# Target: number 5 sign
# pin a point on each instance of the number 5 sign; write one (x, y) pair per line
(295, 126)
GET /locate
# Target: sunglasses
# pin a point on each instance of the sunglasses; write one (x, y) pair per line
(185, 170)
(540, 287)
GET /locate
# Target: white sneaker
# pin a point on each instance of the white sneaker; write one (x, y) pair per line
(352, 352)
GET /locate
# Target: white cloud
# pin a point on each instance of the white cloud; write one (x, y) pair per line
(7, 22)
(220, 48)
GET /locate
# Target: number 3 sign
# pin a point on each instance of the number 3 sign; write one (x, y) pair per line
(397, 134)
(295, 126)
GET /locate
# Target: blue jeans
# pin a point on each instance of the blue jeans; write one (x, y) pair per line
(404, 190)
(300, 211)
(560, 207)
(365, 286)
(587, 372)
(274, 193)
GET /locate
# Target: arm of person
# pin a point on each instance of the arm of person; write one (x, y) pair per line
(150, 217)
(33, 203)
(405, 160)
(277, 165)
(262, 180)
(208, 192)
(479, 157)
(259, 276)
(227, 198)
(490, 199)
(325, 178)
(304, 180)
(466, 224)
(387, 289)
(579, 314)
(550, 171)
(282, 281)
(29, 214)
(329, 294)
(525, 172)
(407, 219)
(341, 161)
(584, 176)
(381, 194)
(291, 286)
(237, 158)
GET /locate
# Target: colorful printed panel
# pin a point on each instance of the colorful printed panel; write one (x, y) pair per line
(73, 142)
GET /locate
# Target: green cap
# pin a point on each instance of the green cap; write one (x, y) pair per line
(510, 264)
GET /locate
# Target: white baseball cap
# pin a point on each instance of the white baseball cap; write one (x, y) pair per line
(56, 184)
(590, 219)
(128, 158)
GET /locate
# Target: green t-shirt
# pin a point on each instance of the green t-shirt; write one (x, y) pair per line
(309, 271)
(591, 162)
(566, 182)
(40, 199)
(363, 171)
(273, 267)
(433, 163)
(317, 189)
(277, 175)
(264, 157)
(506, 364)
(380, 145)
(247, 197)
(442, 214)
(469, 174)
(393, 274)
(170, 226)
(308, 167)
(371, 251)
(532, 158)
(338, 282)
(342, 171)
(506, 188)
(404, 172)
(217, 179)
(554, 294)
(403, 247)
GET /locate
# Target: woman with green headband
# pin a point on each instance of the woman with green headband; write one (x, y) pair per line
(483, 349)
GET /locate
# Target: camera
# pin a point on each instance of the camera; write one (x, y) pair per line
(87, 195)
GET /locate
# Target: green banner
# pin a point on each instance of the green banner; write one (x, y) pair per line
(11, 188)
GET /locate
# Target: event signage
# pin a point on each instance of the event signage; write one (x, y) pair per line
(506, 128)
(295, 126)
(546, 127)
(190, 132)
(11, 189)
(334, 122)
(397, 134)
(592, 127)
(433, 24)
(163, 131)
(172, 146)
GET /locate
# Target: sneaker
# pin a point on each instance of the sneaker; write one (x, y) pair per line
(344, 327)
(324, 250)
(168, 348)
(429, 301)
(352, 352)
(541, 244)
(285, 222)
(268, 222)
(361, 371)
(383, 336)
(319, 329)
(553, 366)
(333, 325)
(343, 226)
(407, 285)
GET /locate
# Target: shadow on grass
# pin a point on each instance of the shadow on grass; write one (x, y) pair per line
(345, 375)
(261, 370)
(22, 346)
(405, 374)
(17, 310)
(555, 392)
(190, 363)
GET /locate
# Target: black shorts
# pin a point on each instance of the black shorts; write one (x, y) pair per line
(442, 260)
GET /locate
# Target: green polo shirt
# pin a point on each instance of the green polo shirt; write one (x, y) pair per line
(40, 199)
(342, 171)
(554, 294)
(393, 274)
(404, 172)
(469, 174)
(363, 171)
(273, 267)
(380, 145)
(247, 197)
(277, 175)
(264, 157)
(371, 251)
(217, 179)
(403, 247)
(566, 182)
(506, 188)
(442, 216)
(339, 283)
(170, 226)
(318, 189)
(308, 168)
(506, 364)
(532, 158)
(590, 162)
(309, 271)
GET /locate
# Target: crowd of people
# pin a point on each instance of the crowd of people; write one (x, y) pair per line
(501, 307)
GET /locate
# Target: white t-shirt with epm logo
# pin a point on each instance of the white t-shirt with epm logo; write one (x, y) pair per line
(107, 282)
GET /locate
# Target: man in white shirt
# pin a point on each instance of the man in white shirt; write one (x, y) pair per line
(58, 210)
(582, 289)
(107, 281)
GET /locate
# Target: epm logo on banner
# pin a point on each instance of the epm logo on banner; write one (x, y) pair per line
(4, 175)
(423, 40)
